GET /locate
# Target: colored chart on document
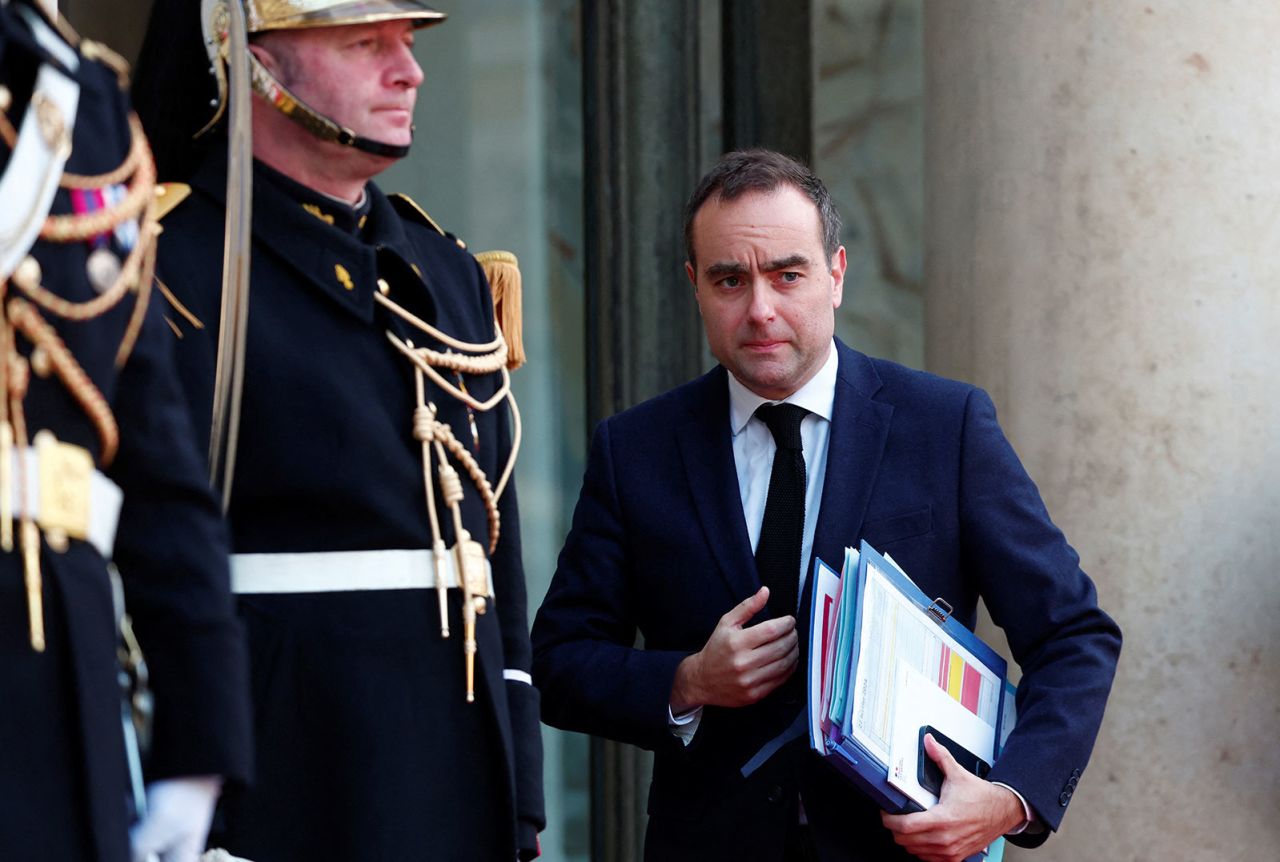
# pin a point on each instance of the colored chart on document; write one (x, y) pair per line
(895, 630)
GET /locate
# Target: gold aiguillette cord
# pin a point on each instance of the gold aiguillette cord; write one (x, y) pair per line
(424, 420)
(18, 372)
(469, 560)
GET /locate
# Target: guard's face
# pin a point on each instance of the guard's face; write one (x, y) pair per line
(766, 291)
(362, 76)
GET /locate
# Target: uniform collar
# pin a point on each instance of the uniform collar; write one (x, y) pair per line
(348, 218)
(340, 264)
(817, 396)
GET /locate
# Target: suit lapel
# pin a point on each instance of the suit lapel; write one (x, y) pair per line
(706, 449)
(859, 429)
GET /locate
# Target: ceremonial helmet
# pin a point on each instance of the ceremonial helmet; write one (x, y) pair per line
(261, 16)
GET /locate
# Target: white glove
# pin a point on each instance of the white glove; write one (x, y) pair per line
(179, 811)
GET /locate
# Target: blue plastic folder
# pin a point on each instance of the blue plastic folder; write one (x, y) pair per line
(942, 648)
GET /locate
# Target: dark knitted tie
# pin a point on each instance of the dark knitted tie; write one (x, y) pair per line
(782, 530)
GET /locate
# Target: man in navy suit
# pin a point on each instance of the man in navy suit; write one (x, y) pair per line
(671, 513)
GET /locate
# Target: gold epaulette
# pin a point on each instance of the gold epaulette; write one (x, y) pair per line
(168, 196)
(98, 52)
(502, 268)
(409, 208)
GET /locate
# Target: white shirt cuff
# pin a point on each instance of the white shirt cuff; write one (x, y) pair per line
(684, 725)
(1027, 815)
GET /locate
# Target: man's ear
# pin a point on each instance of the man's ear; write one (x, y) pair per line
(839, 263)
(270, 59)
(263, 56)
(693, 276)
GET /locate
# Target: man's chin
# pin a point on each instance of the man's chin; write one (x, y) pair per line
(768, 380)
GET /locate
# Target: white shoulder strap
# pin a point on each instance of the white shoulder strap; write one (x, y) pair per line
(44, 143)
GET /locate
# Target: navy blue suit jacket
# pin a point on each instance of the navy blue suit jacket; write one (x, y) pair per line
(917, 466)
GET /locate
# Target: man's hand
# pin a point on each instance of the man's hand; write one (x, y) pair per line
(738, 666)
(179, 811)
(970, 814)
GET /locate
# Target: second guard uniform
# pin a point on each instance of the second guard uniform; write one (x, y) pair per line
(97, 462)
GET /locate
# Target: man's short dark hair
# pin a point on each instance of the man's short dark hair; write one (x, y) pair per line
(759, 170)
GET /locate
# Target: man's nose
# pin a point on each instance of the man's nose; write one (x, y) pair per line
(762, 307)
(407, 72)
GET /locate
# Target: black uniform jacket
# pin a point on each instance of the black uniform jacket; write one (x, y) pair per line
(366, 746)
(63, 775)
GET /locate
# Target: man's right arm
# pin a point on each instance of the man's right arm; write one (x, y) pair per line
(592, 677)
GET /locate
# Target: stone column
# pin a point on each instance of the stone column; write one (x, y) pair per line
(641, 91)
(1102, 254)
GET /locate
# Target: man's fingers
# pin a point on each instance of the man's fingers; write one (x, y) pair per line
(766, 632)
(747, 608)
(771, 675)
(771, 651)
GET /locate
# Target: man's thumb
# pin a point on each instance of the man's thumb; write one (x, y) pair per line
(939, 754)
(749, 607)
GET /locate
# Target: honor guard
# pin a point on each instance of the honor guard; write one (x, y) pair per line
(347, 363)
(99, 469)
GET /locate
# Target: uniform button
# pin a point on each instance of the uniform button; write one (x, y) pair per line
(1073, 782)
(1075, 773)
(1064, 798)
(775, 794)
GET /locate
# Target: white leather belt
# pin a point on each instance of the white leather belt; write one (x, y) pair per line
(102, 497)
(348, 571)
(341, 571)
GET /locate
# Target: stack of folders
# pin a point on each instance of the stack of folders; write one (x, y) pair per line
(888, 664)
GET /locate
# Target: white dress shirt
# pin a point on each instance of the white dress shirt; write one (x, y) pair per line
(753, 451)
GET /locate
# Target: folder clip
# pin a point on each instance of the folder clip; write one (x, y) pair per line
(940, 609)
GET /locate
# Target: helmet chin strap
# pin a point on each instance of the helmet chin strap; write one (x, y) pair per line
(266, 85)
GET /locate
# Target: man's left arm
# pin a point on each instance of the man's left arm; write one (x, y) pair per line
(523, 700)
(1065, 645)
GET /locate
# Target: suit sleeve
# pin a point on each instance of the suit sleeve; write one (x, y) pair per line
(171, 549)
(1031, 581)
(592, 676)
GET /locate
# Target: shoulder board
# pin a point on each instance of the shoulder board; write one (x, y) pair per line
(168, 196)
(98, 52)
(409, 208)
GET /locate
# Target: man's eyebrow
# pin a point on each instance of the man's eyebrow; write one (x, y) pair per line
(720, 270)
(791, 261)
